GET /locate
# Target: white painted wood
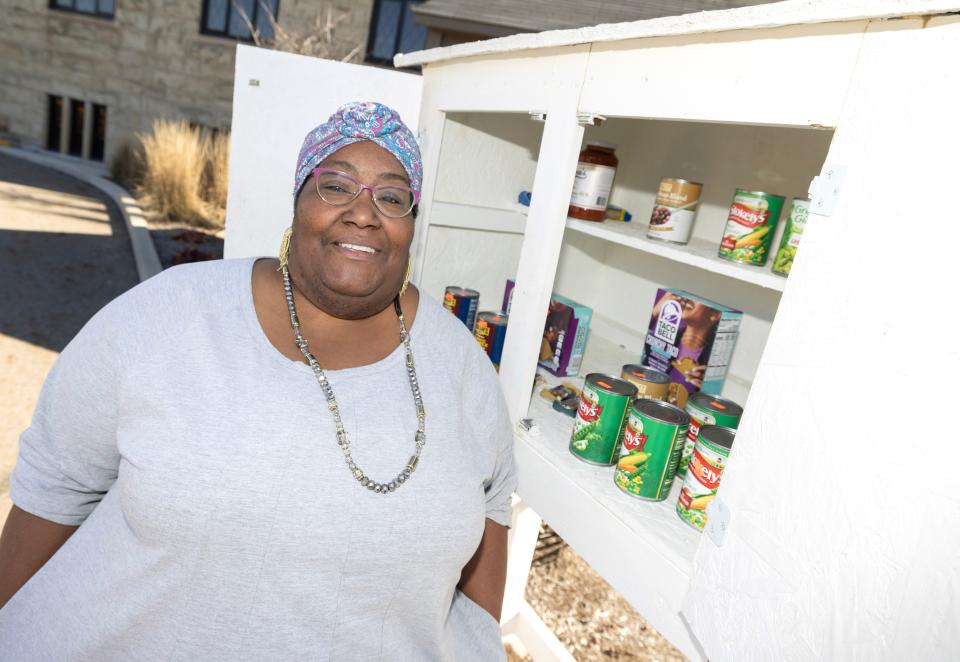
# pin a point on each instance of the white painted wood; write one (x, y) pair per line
(719, 78)
(470, 217)
(772, 15)
(700, 253)
(538, 640)
(278, 97)
(843, 536)
(522, 543)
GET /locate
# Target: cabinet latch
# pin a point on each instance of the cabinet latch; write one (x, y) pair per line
(825, 189)
(538, 116)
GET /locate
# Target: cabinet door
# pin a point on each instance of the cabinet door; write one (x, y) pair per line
(842, 534)
(277, 98)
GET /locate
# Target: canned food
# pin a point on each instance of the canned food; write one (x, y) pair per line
(702, 480)
(652, 438)
(674, 209)
(750, 227)
(490, 332)
(599, 422)
(790, 241)
(706, 409)
(462, 303)
(650, 383)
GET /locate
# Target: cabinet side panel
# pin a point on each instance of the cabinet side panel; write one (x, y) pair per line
(842, 542)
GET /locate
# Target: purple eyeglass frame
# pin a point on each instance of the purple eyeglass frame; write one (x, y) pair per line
(372, 189)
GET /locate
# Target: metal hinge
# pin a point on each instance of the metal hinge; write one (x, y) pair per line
(825, 189)
(590, 119)
(538, 116)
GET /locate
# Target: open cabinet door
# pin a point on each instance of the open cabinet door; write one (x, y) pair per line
(842, 516)
(277, 98)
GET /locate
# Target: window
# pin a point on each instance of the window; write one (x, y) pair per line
(233, 18)
(54, 121)
(75, 142)
(98, 138)
(101, 8)
(76, 127)
(393, 30)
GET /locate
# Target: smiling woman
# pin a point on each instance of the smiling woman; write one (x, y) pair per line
(340, 491)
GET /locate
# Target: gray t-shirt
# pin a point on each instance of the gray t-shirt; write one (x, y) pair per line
(218, 520)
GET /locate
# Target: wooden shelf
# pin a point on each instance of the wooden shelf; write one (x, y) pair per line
(643, 548)
(698, 253)
(472, 217)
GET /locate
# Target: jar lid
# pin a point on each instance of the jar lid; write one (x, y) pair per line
(600, 143)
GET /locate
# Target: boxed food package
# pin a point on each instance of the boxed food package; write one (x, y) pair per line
(564, 333)
(691, 339)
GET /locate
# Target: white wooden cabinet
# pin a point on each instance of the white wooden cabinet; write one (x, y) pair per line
(839, 546)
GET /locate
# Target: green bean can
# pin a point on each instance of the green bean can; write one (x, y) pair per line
(790, 240)
(751, 223)
(599, 422)
(703, 478)
(653, 435)
(706, 409)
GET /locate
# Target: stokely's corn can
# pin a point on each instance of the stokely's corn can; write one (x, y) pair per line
(650, 383)
(599, 421)
(703, 476)
(706, 409)
(652, 437)
(750, 227)
(790, 240)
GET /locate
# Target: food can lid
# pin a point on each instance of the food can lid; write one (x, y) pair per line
(492, 317)
(714, 403)
(764, 193)
(661, 411)
(717, 435)
(644, 373)
(610, 384)
(680, 180)
(601, 143)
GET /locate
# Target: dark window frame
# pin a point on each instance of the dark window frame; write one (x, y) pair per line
(225, 33)
(372, 32)
(103, 15)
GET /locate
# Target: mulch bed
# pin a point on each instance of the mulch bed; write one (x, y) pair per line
(180, 243)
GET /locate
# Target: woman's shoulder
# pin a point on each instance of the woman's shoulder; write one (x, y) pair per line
(449, 341)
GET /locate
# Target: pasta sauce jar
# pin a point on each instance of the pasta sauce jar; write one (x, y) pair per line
(596, 168)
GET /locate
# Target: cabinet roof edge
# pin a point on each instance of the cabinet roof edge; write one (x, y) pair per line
(779, 14)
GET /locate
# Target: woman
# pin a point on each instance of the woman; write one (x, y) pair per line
(242, 460)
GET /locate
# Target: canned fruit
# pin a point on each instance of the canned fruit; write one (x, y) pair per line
(599, 420)
(650, 449)
(749, 232)
(703, 476)
(674, 209)
(706, 409)
(783, 260)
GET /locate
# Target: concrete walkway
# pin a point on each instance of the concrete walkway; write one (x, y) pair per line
(64, 253)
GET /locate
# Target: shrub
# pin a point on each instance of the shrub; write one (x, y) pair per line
(215, 175)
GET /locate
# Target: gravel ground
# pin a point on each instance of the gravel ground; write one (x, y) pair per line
(64, 253)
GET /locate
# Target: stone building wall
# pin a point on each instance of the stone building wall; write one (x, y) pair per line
(149, 61)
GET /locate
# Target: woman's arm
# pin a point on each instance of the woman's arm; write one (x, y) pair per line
(483, 578)
(27, 542)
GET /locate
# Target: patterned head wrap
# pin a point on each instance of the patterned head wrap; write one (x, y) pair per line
(355, 122)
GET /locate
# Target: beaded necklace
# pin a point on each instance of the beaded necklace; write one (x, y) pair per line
(342, 440)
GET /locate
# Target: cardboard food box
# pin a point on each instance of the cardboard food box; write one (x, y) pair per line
(691, 339)
(564, 333)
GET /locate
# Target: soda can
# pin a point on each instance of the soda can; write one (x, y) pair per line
(790, 240)
(673, 211)
(751, 223)
(599, 422)
(703, 477)
(652, 437)
(463, 304)
(650, 383)
(490, 332)
(706, 409)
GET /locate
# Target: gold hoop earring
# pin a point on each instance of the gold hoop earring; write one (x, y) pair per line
(284, 254)
(406, 276)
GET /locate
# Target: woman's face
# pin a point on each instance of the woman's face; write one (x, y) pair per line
(350, 260)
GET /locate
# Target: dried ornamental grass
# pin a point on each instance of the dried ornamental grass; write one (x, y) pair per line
(216, 176)
(175, 160)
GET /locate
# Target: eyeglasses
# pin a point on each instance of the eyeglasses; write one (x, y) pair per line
(338, 189)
